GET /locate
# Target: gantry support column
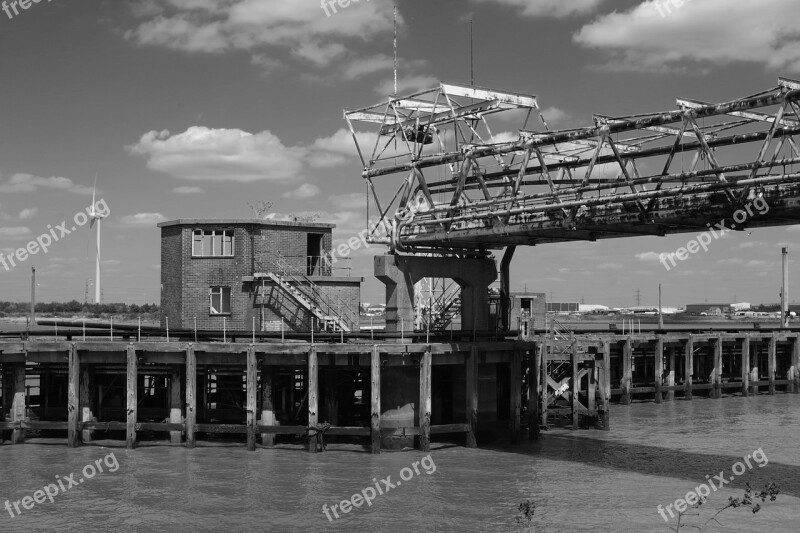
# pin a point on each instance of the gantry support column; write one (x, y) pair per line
(627, 374)
(375, 418)
(533, 391)
(73, 401)
(505, 288)
(400, 273)
(688, 369)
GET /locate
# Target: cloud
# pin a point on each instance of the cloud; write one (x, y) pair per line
(260, 27)
(219, 155)
(143, 219)
(19, 183)
(354, 200)
(305, 191)
(649, 256)
(408, 84)
(549, 8)
(13, 233)
(30, 212)
(188, 190)
(641, 39)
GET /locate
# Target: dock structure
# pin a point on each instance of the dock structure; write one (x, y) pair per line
(382, 395)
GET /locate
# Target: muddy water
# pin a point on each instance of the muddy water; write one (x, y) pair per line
(580, 481)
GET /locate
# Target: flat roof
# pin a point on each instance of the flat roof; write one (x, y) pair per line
(244, 221)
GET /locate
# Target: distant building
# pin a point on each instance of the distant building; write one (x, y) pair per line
(709, 309)
(237, 272)
(556, 307)
(528, 311)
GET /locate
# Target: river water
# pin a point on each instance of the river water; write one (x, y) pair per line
(584, 480)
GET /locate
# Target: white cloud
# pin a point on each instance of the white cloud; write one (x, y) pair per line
(649, 256)
(354, 200)
(18, 232)
(143, 219)
(188, 190)
(549, 8)
(640, 39)
(29, 183)
(206, 154)
(28, 213)
(305, 191)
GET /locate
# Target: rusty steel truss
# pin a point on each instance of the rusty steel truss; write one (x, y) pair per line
(471, 182)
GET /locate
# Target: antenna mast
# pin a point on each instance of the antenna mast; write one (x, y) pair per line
(395, 48)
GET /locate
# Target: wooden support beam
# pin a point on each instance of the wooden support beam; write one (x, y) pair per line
(175, 411)
(252, 397)
(533, 391)
(543, 379)
(375, 388)
(591, 398)
(605, 385)
(671, 375)
(191, 395)
(73, 403)
(267, 407)
(133, 403)
(688, 369)
(515, 390)
(472, 397)
(85, 402)
(313, 392)
(771, 363)
(745, 366)
(658, 378)
(19, 408)
(796, 365)
(627, 372)
(717, 390)
(576, 384)
(754, 369)
(425, 401)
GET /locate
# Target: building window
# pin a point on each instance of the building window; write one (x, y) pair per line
(220, 301)
(212, 243)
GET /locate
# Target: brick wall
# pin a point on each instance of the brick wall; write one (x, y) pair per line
(171, 276)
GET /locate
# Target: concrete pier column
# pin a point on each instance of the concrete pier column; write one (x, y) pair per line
(400, 273)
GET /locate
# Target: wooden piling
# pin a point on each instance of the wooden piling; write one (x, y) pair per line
(771, 363)
(745, 364)
(796, 365)
(515, 390)
(175, 401)
(85, 401)
(425, 401)
(252, 397)
(133, 404)
(73, 403)
(754, 369)
(533, 392)
(605, 384)
(717, 390)
(19, 408)
(375, 418)
(313, 384)
(472, 397)
(627, 372)
(267, 407)
(576, 384)
(191, 395)
(689, 369)
(671, 375)
(659, 367)
(543, 375)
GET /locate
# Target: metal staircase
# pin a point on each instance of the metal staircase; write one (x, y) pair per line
(297, 285)
(442, 309)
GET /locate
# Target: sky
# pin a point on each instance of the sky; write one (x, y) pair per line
(197, 108)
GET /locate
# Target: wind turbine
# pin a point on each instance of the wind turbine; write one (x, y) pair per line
(95, 217)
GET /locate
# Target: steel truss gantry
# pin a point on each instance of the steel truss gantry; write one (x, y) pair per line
(470, 185)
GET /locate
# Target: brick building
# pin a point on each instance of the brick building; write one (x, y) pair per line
(241, 270)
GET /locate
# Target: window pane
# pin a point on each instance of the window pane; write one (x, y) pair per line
(226, 299)
(197, 243)
(206, 243)
(228, 243)
(217, 243)
(216, 307)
